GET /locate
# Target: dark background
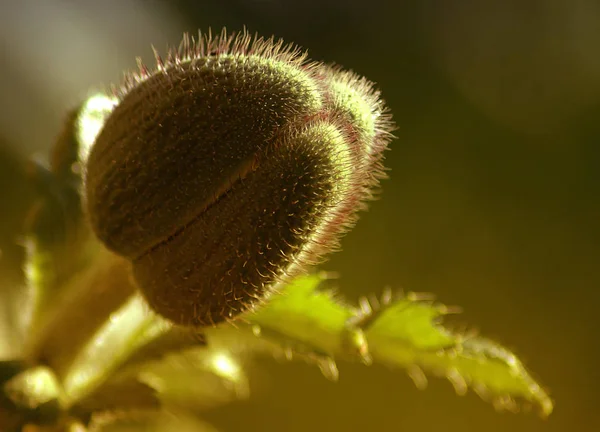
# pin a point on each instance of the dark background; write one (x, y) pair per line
(493, 199)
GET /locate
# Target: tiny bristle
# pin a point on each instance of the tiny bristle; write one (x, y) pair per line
(416, 374)
(191, 49)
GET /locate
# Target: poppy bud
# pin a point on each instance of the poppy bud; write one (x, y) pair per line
(229, 167)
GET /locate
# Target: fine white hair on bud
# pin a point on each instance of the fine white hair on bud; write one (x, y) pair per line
(230, 166)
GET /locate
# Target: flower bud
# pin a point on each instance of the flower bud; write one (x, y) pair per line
(230, 167)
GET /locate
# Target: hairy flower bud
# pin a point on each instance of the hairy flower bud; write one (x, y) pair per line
(231, 166)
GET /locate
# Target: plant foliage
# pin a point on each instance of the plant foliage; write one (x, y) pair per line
(88, 354)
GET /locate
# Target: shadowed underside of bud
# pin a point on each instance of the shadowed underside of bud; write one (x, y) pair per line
(231, 166)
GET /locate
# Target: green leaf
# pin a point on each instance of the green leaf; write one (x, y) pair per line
(407, 333)
(129, 328)
(137, 361)
(16, 197)
(196, 378)
(400, 332)
(61, 251)
(303, 314)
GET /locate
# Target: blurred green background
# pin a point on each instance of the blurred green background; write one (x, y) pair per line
(493, 202)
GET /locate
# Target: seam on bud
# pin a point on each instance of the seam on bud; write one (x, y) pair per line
(238, 176)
